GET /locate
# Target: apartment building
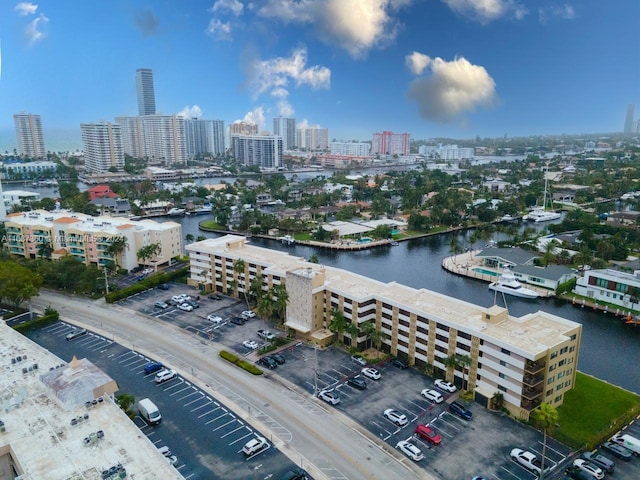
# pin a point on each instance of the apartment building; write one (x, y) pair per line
(243, 128)
(159, 138)
(60, 420)
(145, 91)
(264, 151)
(353, 149)
(285, 128)
(312, 138)
(611, 286)
(88, 239)
(446, 152)
(29, 135)
(204, 137)
(389, 143)
(102, 143)
(528, 360)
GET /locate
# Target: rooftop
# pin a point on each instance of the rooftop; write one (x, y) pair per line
(530, 335)
(53, 433)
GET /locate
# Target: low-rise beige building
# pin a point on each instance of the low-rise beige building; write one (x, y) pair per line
(526, 360)
(88, 238)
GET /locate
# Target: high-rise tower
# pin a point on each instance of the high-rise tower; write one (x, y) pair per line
(102, 146)
(285, 128)
(29, 135)
(628, 122)
(146, 93)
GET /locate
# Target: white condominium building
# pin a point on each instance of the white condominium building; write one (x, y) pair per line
(88, 238)
(132, 136)
(29, 135)
(264, 151)
(446, 152)
(243, 128)
(528, 360)
(204, 137)
(285, 128)
(102, 143)
(312, 138)
(389, 143)
(157, 137)
(353, 149)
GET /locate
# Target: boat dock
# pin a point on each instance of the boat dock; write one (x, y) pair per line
(464, 263)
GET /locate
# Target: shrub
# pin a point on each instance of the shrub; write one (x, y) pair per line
(232, 358)
(50, 317)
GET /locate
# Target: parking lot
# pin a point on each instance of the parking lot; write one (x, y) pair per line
(204, 434)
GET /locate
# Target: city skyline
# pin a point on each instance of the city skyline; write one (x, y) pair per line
(393, 69)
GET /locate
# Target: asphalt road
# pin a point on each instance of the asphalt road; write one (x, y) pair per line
(326, 442)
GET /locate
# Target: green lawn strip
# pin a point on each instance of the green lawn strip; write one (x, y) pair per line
(593, 411)
(302, 236)
(210, 224)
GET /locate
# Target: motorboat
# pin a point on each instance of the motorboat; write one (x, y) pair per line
(175, 212)
(206, 209)
(539, 214)
(509, 284)
(508, 218)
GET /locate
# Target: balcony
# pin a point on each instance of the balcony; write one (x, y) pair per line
(532, 392)
(532, 380)
(530, 404)
(534, 367)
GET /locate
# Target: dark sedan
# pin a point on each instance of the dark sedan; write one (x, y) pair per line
(599, 460)
(618, 451)
(460, 410)
(357, 382)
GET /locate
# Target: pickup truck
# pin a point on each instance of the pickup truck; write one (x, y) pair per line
(527, 459)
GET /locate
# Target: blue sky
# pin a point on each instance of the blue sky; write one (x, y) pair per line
(455, 68)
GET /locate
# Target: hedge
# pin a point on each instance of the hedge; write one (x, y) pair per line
(150, 282)
(232, 358)
(40, 322)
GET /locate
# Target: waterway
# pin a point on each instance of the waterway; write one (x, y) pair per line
(610, 350)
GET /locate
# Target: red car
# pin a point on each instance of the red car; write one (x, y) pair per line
(428, 434)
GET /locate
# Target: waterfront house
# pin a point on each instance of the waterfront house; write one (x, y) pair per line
(611, 286)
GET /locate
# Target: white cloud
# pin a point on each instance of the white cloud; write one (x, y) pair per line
(285, 109)
(232, 6)
(33, 30)
(452, 89)
(190, 112)
(565, 12)
(417, 62)
(279, 93)
(255, 116)
(218, 29)
(277, 73)
(485, 11)
(26, 8)
(305, 124)
(354, 25)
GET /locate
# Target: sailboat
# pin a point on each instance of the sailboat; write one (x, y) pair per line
(509, 284)
(541, 214)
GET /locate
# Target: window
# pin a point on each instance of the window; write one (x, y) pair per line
(443, 327)
(503, 363)
(559, 387)
(557, 399)
(551, 379)
(561, 363)
(572, 348)
(501, 388)
(563, 350)
(501, 375)
(466, 336)
(549, 392)
(442, 338)
(552, 367)
(553, 355)
(505, 351)
(567, 383)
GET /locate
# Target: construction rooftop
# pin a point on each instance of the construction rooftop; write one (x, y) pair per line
(532, 334)
(58, 421)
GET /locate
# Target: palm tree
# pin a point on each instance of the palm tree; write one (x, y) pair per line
(454, 247)
(464, 361)
(451, 362)
(239, 267)
(189, 237)
(255, 290)
(497, 400)
(118, 245)
(377, 337)
(281, 300)
(368, 330)
(545, 417)
(45, 249)
(338, 323)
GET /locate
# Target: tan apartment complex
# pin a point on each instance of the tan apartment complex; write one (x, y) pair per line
(528, 360)
(88, 238)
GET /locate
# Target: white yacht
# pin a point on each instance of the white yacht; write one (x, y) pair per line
(541, 214)
(509, 284)
(173, 212)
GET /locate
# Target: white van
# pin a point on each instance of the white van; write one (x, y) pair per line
(628, 442)
(149, 411)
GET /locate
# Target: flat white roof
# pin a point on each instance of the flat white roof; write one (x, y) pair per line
(346, 228)
(52, 440)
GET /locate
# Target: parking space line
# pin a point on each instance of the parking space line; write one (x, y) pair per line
(194, 401)
(175, 385)
(511, 473)
(224, 425)
(233, 431)
(554, 451)
(130, 355)
(201, 406)
(450, 424)
(250, 434)
(218, 417)
(207, 412)
(55, 326)
(128, 352)
(195, 392)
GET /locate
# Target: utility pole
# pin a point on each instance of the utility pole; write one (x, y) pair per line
(106, 281)
(315, 370)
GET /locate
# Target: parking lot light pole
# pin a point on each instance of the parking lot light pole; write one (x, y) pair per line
(315, 370)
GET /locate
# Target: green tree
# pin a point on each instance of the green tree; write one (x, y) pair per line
(338, 323)
(545, 417)
(125, 401)
(45, 249)
(149, 252)
(18, 283)
(239, 267)
(189, 237)
(117, 245)
(314, 258)
(281, 299)
(451, 362)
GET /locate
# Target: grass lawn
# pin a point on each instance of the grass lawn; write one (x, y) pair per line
(302, 236)
(210, 224)
(593, 411)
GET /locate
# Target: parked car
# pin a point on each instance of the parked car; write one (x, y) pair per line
(357, 382)
(426, 433)
(330, 396)
(593, 470)
(266, 335)
(401, 364)
(280, 360)
(400, 419)
(618, 451)
(185, 307)
(163, 286)
(180, 298)
(528, 460)
(600, 460)
(193, 303)
(371, 373)
(446, 386)
(238, 320)
(165, 375)
(152, 367)
(165, 451)
(251, 344)
(248, 314)
(268, 362)
(214, 318)
(77, 332)
(460, 410)
(432, 395)
(577, 474)
(627, 441)
(254, 446)
(161, 304)
(410, 450)
(296, 474)
(359, 359)
(214, 296)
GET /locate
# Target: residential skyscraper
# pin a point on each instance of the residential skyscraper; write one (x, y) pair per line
(132, 136)
(29, 135)
(355, 149)
(156, 137)
(243, 128)
(312, 138)
(146, 93)
(102, 143)
(204, 136)
(262, 150)
(389, 143)
(628, 122)
(285, 128)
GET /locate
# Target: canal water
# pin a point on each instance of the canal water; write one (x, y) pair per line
(610, 350)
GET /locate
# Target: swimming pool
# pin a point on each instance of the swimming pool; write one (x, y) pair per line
(363, 240)
(485, 272)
